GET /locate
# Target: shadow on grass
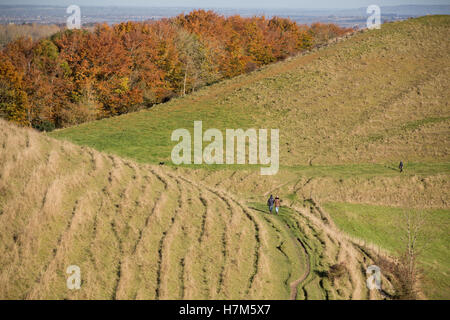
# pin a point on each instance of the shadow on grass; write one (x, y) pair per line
(256, 209)
(392, 168)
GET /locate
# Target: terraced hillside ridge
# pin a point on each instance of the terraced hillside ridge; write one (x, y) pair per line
(147, 232)
(348, 113)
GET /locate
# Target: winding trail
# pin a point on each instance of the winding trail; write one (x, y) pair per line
(294, 285)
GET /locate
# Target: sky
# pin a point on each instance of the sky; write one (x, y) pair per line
(299, 4)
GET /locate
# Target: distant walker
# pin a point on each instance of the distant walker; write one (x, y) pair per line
(400, 166)
(277, 204)
(270, 203)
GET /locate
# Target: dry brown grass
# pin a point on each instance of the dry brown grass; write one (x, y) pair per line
(144, 232)
(378, 185)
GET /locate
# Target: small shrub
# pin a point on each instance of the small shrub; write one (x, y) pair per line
(405, 284)
(43, 125)
(79, 113)
(336, 271)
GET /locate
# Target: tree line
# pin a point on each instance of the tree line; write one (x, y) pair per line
(76, 76)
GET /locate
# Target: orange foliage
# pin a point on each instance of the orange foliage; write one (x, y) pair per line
(118, 69)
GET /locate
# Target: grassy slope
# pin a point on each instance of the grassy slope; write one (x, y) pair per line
(145, 232)
(379, 97)
(125, 226)
(351, 110)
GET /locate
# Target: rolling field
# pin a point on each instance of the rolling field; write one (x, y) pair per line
(378, 97)
(145, 232)
(94, 195)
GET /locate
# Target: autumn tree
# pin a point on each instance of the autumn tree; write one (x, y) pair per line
(141, 43)
(197, 65)
(13, 99)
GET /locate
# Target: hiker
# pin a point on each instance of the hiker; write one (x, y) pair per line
(277, 204)
(270, 202)
(400, 166)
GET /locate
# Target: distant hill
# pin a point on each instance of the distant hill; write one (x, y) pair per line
(411, 10)
(92, 14)
(10, 32)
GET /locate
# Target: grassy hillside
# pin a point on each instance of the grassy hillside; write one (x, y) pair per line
(379, 97)
(144, 232)
(347, 114)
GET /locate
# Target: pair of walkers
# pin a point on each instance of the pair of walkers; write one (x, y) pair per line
(273, 202)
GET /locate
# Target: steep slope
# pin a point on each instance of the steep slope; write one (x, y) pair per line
(147, 232)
